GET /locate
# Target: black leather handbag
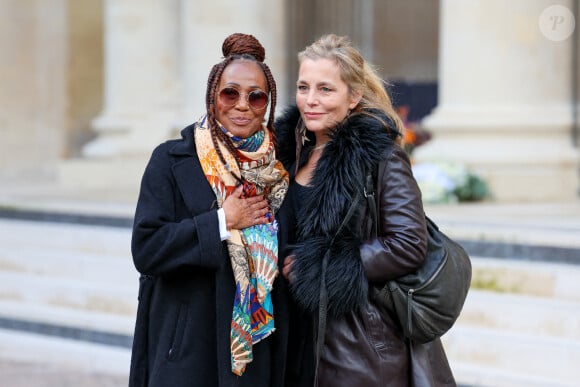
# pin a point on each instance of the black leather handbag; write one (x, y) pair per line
(427, 302)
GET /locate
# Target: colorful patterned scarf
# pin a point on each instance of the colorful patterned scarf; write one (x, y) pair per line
(254, 250)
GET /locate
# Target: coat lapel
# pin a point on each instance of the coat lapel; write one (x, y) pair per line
(193, 185)
(190, 179)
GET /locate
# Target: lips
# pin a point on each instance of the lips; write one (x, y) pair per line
(311, 115)
(241, 121)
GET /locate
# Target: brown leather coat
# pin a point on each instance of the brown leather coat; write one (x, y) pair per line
(367, 347)
(363, 346)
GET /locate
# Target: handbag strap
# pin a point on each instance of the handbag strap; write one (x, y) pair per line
(371, 189)
(371, 203)
(323, 298)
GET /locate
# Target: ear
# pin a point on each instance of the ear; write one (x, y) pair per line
(355, 97)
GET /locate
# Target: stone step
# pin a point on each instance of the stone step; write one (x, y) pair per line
(75, 355)
(89, 294)
(67, 263)
(521, 314)
(528, 356)
(547, 224)
(88, 239)
(532, 278)
(474, 375)
(44, 317)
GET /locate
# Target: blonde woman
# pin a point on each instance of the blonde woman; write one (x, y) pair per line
(343, 126)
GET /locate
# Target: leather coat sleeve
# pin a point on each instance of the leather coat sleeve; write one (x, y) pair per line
(401, 243)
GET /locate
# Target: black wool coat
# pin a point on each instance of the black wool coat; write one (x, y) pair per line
(363, 345)
(182, 332)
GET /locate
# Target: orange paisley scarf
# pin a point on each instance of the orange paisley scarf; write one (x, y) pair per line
(253, 251)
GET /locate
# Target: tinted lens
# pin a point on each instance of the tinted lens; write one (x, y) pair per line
(257, 99)
(229, 96)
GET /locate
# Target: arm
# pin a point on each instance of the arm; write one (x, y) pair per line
(402, 242)
(164, 240)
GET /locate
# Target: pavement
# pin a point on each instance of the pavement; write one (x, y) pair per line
(506, 228)
(22, 374)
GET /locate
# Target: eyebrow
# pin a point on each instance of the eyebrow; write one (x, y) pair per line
(230, 84)
(318, 84)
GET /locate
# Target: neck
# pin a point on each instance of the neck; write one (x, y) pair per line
(317, 147)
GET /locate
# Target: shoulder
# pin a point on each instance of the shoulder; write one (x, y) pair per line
(165, 147)
(169, 152)
(395, 153)
(394, 160)
(184, 146)
(377, 121)
(162, 154)
(362, 139)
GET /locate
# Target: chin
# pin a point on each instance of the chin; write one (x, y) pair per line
(317, 128)
(243, 132)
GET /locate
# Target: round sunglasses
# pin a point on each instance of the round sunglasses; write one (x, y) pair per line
(257, 99)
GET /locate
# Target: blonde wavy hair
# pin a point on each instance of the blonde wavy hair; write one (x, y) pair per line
(360, 76)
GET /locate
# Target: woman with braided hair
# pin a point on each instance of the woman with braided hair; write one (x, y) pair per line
(212, 308)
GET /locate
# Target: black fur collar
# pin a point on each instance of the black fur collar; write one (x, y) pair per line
(355, 147)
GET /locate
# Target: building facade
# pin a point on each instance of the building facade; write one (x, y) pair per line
(89, 87)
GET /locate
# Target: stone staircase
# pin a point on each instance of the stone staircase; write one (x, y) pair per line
(520, 325)
(522, 329)
(82, 272)
(68, 295)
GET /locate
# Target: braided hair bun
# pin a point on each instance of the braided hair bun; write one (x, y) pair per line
(240, 44)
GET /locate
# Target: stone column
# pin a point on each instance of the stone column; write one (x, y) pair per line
(141, 77)
(207, 24)
(33, 95)
(310, 19)
(505, 106)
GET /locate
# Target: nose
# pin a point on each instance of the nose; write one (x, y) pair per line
(242, 102)
(311, 97)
